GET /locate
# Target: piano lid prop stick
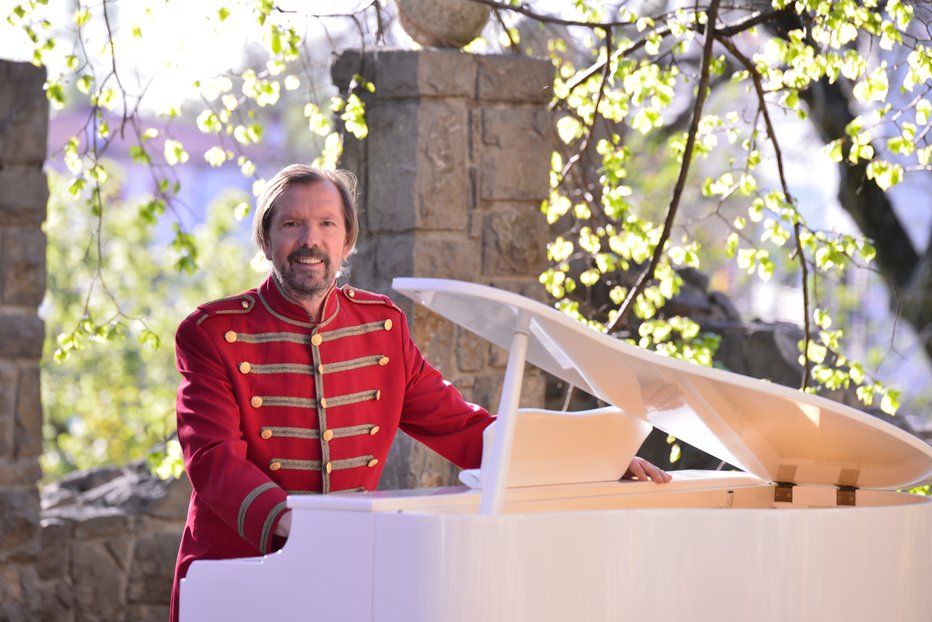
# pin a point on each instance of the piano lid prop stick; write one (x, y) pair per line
(496, 472)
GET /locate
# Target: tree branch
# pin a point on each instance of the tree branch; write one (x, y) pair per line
(800, 252)
(701, 96)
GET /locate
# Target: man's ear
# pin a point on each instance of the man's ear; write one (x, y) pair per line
(267, 249)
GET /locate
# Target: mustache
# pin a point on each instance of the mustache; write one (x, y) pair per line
(308, 253)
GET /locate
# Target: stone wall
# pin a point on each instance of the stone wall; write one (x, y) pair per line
(109, 541)
(23, 197)
(452, 175)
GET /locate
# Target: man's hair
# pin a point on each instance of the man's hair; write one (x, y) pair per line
(302, 174)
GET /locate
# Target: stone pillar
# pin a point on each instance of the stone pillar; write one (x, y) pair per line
(452, 176)
(23, 197)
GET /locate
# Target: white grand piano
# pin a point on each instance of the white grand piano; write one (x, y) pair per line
(812, 529)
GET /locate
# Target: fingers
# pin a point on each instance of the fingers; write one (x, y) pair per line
(643, 470)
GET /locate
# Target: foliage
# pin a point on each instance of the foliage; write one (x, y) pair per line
(641, 68)
(698, 90)
(114, 405)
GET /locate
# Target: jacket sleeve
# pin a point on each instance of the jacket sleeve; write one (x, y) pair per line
(213, 445)
(436, 414)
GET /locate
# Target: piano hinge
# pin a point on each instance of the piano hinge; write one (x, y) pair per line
(783, 492)
(845, 495)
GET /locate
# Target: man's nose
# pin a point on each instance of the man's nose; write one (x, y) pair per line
(310, 235)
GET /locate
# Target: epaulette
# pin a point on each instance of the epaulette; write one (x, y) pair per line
(361, 296)
(241, 303)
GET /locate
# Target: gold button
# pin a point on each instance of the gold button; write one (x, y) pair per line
(275, 466)
(350, 293)
(329, 468)
(256, 401)
(320, 368)
(266, 433)
(317, 340)
(373, 462)
(230, 336)
(328, 435)
(323, 402)
(374, 430)
(245, 304)
(244, 367)
(383, 361)
(388, 324)
(378, 395)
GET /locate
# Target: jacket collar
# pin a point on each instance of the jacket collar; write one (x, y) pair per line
(285, 308)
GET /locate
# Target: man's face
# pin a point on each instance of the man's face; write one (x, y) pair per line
(306, 240)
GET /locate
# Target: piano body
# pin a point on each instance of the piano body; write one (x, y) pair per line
(811, 530)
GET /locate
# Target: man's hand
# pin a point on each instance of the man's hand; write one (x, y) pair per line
(284, 525)
(642, 470)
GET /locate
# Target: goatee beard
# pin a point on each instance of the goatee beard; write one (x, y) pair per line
(307, 287)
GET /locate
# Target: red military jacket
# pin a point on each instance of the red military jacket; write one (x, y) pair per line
(272, 404)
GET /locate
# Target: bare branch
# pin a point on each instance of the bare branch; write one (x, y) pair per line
(800, 252)
(701, 96)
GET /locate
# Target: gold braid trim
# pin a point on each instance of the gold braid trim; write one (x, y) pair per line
(351, 331)
(351, 463)
(365, 361)
(352, 398)
(297, 465)
(267, 526)
(281, 368)
(244, 506)
(284, 400)
(311, 433)
(273, 338)
(313, 465)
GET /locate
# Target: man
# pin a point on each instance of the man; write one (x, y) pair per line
(299, 386)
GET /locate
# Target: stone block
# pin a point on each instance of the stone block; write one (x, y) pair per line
(515, 154)
(446, 256)
(409, 73)
(20, 593)
(472, 351)
(19, 472)
(394, 256)
(24, 113)
(152, 570)
(57, 601)
(442, 193)
(98, 522)
(22, 266)
(55, 541)
(391, 181)
(24, 194)
(147, 613)
(174, 504)
(28, 434)
(21, 335)
(435, 337)
(514, 241)
(8, 381)
(19, 522)
(98, 581)
(514, 78)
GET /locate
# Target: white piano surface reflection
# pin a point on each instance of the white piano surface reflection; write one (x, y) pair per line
(546, 532)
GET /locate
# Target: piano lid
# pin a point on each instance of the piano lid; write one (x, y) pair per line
(777, 433)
